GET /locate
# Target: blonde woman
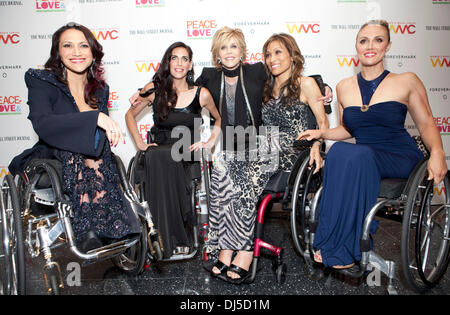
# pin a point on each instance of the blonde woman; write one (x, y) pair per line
(292, 104)
(373, 104)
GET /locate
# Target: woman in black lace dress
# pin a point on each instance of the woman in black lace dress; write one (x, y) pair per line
(68, 109)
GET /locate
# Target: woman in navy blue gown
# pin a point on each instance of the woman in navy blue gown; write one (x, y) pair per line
(373, 104)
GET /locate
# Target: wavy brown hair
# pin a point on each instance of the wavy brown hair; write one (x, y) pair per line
(291, 88)
(95, 78)
(166, 96)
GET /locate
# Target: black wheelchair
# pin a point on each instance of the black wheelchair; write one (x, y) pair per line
(35, 214)
(423, 209)
(199, 197)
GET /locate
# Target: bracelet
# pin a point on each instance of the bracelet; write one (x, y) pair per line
(146, 93)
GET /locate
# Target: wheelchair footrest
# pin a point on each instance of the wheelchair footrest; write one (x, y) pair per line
(114, 248)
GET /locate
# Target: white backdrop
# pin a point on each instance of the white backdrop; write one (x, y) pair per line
(135, 34)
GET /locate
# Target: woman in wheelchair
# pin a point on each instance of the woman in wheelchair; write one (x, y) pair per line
(68, 110)
(177, 103)
(373, 105)
(292, 104)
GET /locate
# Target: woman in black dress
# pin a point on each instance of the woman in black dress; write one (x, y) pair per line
(177, 103)
(68, 109)
(237, 90)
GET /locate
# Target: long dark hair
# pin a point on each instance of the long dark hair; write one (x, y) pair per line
(163, 81)
(292, 85)
(95, 73)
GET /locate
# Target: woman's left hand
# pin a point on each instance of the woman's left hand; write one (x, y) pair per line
(328, 98)
(315, 157)
(437, 168)
(200, 145)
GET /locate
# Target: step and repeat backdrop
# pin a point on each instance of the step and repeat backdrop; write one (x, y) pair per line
(135, 34)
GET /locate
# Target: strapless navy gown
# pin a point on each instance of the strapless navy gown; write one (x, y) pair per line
(352, 176)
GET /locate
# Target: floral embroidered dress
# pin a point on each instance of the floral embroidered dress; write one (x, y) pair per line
(89, 175)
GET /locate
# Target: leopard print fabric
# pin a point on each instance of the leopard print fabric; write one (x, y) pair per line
(239, 179)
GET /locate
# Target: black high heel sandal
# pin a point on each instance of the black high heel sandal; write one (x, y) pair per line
(222, 274)
(242, 273)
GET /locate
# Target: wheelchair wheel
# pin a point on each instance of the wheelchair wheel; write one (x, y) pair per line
(132, 261)
(12, 253)
(305, 186)
(425, 232)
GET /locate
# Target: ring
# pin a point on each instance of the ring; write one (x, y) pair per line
(329, 100)
(113, 131)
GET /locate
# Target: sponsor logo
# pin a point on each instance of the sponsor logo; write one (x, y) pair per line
(255, 57)
(439, 190)
(441, 2)
(15, 138)
(9, 38)
(113, 101)
(4, 171)
(443, 124)
(441, 91)
(345, 27)
(152, 31)
(5, 69)
(10, 3)
(440, 61)
(41, 36)
(347, 61)
(303, 27)
(402, 28)
(150, 3)
(143, 129)
(437, 27)
(106, 34)
(201, 29)
(148, 66)
(10, 105)
(50, 6)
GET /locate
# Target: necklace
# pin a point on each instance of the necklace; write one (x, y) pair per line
(368, 88)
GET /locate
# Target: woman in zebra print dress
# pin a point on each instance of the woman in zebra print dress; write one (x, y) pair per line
(291, 105)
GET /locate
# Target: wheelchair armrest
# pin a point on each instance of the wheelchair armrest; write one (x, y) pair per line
(122, 173)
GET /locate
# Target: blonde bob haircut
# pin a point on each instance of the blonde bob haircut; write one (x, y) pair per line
(221, 37)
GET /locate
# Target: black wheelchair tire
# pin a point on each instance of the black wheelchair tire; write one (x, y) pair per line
(414, 276)
(298, 219)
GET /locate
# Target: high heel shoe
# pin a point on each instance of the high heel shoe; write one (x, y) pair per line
(243, 274)
(223, 269)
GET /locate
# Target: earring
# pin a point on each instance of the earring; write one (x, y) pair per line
(64, 71)
(219, 61)
(190, 76)
(92, 69)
